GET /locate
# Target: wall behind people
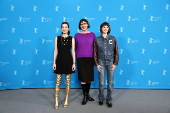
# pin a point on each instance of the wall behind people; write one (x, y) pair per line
(28, 29)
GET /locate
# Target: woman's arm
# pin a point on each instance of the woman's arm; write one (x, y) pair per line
(55, 50)
(73, 54)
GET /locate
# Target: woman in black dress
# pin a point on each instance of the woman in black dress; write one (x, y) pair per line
(64, 61)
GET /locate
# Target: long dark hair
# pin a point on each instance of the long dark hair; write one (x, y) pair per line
(67, 25)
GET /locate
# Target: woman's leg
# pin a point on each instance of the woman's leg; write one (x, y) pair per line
(57, 89)
(68, 78)
(88, 85)
(84, 89)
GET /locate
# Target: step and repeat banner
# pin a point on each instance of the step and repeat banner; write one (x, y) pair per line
(28, 29)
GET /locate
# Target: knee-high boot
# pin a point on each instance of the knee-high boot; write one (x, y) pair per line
(84, 89)
(57, 89)
(88, 91)
(68, 77)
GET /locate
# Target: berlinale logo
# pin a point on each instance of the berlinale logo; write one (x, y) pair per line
(56, 8)
(122, 7)
(100, 7)
(34, 8)
(12, 8)
(121, 72)
(143, 29)
(78, 8)
(13, 30)
(142, 72)
(166, 29)
(121, 29)
(35, 30)
(144, 7)
(143, 51)
(167, 7)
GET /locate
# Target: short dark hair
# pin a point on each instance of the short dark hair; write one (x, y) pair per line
(105, 24)
(84, 21)
(67, 25)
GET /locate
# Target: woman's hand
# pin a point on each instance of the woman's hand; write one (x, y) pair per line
(54, 66)
(73, 67)
(113, 67)
(99, 68)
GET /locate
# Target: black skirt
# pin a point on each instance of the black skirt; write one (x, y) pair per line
(85, 69)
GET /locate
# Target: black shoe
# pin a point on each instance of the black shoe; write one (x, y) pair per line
(100, 103)
(109, 105)
(90, 98)
(84, 99)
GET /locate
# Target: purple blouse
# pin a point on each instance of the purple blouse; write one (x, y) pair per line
(84, 44)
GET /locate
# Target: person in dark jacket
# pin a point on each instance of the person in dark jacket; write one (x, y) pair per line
(106, 58)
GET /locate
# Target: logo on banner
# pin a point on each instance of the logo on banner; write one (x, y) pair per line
(22, 62)
(12, 7)
(44, 41)
(128, 82)
(13, 30)
(132, 19)
(56, 8)
(44, 62)
(164, 72)
(143, 29)
(131, 62)
(48, 82)
(167, 7)
(151, 62)
(37, 72)
(165, 51)
(121, 29)
(34, 8)
(89, 19)
(152, 83)
(3, 63)
(166, 29)
(4, 84)
(143, 51)
(26, 82)
(3, 41)
(144, 7)
(100, 7)
(110, 19)
(43, 19)
(14, 51)
(142, 72)
(122, 7)
(36, 51)
(3, 19)
(35, 30)
(22, 41)
(67, 19)
(151, 40)
(21, 19)
(129, 40)
(57, 30)
(121, 72)
(78, 8)
(121, 51)
(0, 83)
(152, 18)
(15, 72)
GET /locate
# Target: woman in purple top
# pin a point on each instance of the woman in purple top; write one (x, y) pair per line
(84, 42)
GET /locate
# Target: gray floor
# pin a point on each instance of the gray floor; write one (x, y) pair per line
(125, 101)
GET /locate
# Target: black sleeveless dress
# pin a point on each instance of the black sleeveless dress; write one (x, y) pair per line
(64, 60)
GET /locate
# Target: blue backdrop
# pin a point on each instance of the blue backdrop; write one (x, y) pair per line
(28, 29)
